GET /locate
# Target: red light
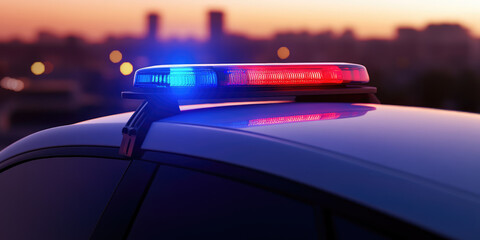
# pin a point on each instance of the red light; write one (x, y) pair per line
(291, 75)
(292, 119)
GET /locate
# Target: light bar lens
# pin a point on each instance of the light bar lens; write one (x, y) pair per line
(256, 75)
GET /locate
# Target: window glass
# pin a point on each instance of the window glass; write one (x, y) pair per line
(56, 198)
(346, 229)
(183, 204)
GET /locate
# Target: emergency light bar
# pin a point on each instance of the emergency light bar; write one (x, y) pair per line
(162, 86)
(251, 75)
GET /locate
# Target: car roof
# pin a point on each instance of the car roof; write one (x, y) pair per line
(438, 145)
(398, 160)
(441, 146)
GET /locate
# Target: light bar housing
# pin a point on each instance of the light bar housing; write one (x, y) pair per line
(251, 75)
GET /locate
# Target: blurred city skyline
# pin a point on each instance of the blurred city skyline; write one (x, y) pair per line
(97, 20)
(59, 79)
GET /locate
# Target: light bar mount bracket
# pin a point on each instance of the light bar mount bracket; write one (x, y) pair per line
(153, 108)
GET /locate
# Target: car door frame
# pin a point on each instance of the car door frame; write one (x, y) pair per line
(125, 203)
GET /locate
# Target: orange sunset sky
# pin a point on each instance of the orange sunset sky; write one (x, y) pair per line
(95, 19)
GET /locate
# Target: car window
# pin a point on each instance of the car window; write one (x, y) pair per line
(56, 198)
(347, 229)
(183, 204)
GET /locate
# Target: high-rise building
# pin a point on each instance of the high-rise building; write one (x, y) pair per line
(152, 26)
(216, 25)
(407, 34)
(446, 45)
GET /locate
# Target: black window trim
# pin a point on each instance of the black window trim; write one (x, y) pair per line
(64, 151)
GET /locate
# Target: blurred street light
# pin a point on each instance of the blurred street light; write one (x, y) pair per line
(126, 68)
(115, 56)
(283, 53)
(38, 68)
(48, 67)
(12, 84)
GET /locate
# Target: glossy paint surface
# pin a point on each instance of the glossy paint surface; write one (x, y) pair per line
(416, 164)
(441, 146)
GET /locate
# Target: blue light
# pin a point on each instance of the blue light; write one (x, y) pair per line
(189, 77)
(177, 77)
(181, 77)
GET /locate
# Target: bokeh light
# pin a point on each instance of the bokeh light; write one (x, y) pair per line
(12, 84)
(38, 68)
(48, 67)
(283, 53)
(115, 56)
(126, 68)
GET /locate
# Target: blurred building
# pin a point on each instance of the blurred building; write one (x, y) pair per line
(407, 46)
(216, 26)
(445, 46)
(48, 38)
(404, 69)
(153, 23)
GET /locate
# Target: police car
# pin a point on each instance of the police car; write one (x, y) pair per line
(274, 151)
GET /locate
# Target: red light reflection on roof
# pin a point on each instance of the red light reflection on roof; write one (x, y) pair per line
(292, 119)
